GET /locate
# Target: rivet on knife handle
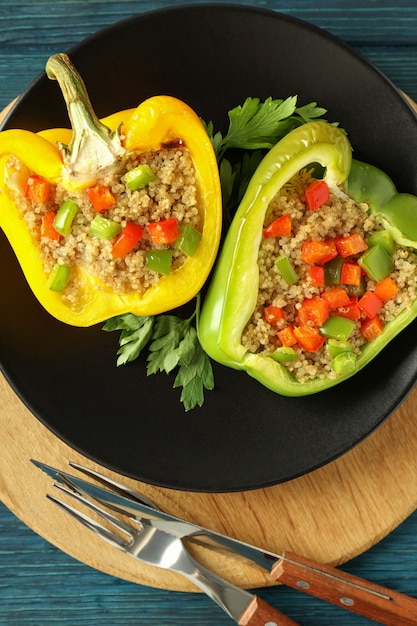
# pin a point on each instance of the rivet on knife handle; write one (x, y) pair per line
(358, 595)
(259, 613)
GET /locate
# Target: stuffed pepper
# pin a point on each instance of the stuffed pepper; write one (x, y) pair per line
(318, 271)
(113, 216)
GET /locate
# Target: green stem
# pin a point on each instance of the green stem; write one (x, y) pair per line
(196, 313)
(94, 150)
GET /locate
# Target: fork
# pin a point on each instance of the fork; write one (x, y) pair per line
(355, 594)
(142, 539)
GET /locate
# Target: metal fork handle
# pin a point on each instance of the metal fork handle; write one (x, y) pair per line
(243, 607)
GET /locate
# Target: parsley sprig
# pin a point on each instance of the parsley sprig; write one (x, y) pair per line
(254, 127)
(259, 125)
(173, 344)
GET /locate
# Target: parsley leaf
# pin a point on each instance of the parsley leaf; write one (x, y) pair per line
(216, 138)
(258, 125)
(195, 377)
(234, 179)
(254, 127)
(310, 112)
(172, 343)
(135, 335)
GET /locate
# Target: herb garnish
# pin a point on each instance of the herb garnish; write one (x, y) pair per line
(172, 342)
(254, 128)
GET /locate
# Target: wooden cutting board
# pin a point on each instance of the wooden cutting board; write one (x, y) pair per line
(331, 515)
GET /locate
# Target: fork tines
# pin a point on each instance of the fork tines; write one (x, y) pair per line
(109, 535)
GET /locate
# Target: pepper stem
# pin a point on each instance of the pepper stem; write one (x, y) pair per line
(94, 150)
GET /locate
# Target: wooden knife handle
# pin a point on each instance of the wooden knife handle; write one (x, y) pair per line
(350, 592)
(259, 613)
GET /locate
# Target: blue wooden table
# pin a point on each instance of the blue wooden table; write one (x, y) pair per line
(39, 585)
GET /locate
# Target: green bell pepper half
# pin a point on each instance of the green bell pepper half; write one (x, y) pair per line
(232, 293)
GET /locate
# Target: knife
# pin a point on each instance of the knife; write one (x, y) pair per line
(353, 593)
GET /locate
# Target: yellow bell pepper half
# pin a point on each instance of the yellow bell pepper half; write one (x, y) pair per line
(157, 121)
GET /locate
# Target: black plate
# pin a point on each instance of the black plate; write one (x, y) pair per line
(244, 437)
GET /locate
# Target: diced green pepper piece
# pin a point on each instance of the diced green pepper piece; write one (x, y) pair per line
(59, 277)
(333, 270)
(285, 268)
(188, 239)
(382, 238)
(337, 346)
(103, 228)
(159, 261)
(357, 290)
(337, 327)
(344, 363)
(65, 217)
(376, 262)
(284, 354)
(139, 177)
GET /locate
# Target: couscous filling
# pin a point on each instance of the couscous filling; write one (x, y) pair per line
(125, 232)
(330, 278)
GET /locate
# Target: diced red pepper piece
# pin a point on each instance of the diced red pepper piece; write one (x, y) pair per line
(386, 289)
(273, 314)
(308, 338)
(126, 240)
(47, 226)
(350, 274)
(350, 245)
(313, 312)
(318, 251)
(316, 194)
(101, 197)
(317, 275)
(336, 297)
(37, 189)
(281, 227)
(165, 231)
(370, 304)
(351, 311)
(371, 327)
(287, 337)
